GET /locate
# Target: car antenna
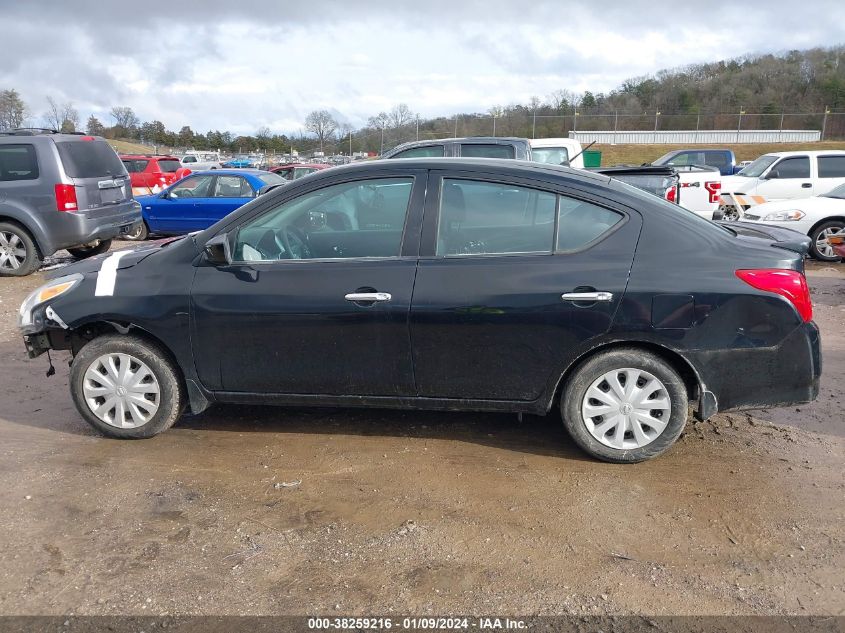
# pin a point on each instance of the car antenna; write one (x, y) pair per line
(583, 149)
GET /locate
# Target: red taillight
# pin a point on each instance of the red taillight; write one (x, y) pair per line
(787, 283)
(713, 188)
(88, 138)
(671, 194)
(66, 198)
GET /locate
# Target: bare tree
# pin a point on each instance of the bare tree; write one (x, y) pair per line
(12, 110)
(124, 117)
(400, 115)
(63, 118)
(322, 124)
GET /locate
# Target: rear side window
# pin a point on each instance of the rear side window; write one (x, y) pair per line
(134, 166)
(429, 151)
(480, 150)
(168, 165)
(832, 166)
(482, 218)
(18, 162)
(798, 167)
(89, 159)
(582, 222)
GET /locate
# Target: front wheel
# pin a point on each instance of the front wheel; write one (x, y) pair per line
(126, 387)
(820, 247)
(97, 248)
(625, 405)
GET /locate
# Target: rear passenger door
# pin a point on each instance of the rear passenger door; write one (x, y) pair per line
(831, 173)
(495, 314)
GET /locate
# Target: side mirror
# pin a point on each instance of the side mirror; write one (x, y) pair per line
(218, 250)
(772, 175)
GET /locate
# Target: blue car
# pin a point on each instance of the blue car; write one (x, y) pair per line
(201, 199)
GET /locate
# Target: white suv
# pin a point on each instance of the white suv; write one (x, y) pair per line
(783, 176)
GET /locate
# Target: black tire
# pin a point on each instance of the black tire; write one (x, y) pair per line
(82, 252)
(575, 390)
(838, 225)
(139, 233)
(19, 254)
(171, 402)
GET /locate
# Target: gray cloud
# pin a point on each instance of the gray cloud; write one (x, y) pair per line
(218, 64)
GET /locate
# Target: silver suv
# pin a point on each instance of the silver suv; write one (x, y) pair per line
(59, 191)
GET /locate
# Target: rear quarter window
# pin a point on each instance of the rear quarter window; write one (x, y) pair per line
(134, 166)
(18, 162)
(89, 159)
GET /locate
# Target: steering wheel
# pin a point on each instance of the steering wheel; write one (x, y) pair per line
(296, 243)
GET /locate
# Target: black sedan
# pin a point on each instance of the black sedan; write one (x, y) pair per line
(456, 284)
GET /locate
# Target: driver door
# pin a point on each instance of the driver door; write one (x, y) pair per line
(316, 299)
(787, 179)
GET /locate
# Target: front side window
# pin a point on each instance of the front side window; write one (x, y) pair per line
(428, 151)
(18, 162)
(192, 187)
(232, 187)
(832, 166)
(492, 150)
(364, 218)
(478, 218)
(798, 167)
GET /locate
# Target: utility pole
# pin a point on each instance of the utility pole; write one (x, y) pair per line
(534, 124)
(824, 121)
(494, 126)
(456, 126)
(656, 119)
(418, 127)
(350, 144)
(615, 124)
(382, 140)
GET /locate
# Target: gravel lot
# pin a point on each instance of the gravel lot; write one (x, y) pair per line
(251, 510)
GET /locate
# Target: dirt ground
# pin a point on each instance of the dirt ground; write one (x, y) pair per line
(249, 510)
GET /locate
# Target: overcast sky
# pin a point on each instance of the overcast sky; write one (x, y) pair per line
(238, 65)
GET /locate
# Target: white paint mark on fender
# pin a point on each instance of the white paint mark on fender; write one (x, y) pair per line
(108, 274)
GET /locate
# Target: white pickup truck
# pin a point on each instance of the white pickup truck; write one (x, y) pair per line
(700, 187)
(200, 161)
(782, 176)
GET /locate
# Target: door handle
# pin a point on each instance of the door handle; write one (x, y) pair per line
(806, 185)
(362, 297)
(587, 296)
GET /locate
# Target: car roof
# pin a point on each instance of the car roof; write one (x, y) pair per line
(317, 165)
(524, 168)
(808, 152)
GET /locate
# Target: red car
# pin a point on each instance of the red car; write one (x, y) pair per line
(298, 170)
(149, 174)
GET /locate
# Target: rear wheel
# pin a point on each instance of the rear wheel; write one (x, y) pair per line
(126, 387)
(19, 254)
(139, 233)
(625, 405)
(820, 247)
(89, 250)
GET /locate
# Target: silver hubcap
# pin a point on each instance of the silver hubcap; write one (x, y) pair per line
(121, 390)
(626, 408)
(12, 251)
(823, 243)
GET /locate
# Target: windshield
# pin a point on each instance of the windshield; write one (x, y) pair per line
(550, 155)
(836, 192)
(271, 179)
(169, 165)
(756, 169)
